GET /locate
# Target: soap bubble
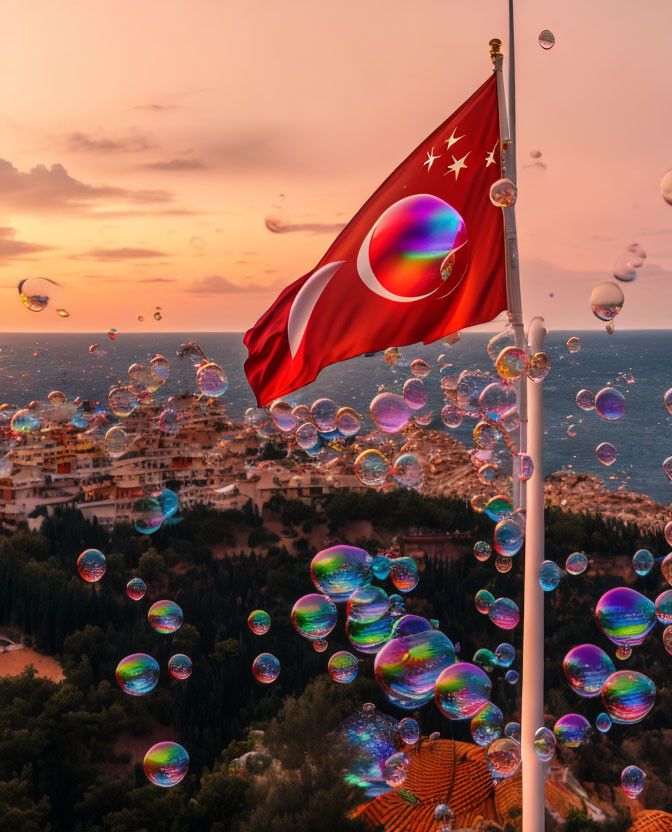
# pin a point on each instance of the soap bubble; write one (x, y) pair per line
(540, 366)
(610, 328)
(117, 442)
(166, 764)
(664, 607)
(498, 507)
(632, 782)
(169, 422)
(179, 666)
(667, 639)
(486, 726)
(503, 758)
(576, 563)
(606, 301)
(23, 421)
(485, 659)
(546, 39)
(504, 613)
(628, 696)
(511, 677)
(420, 368)
(314, 616)
(380, 566)
(462, 690)
(503, 564)
(367, 604)
(544, 744)
(343, 667)
(484, 601)
(409, 731)
(339, 570)
(35, 293)
(505, 654)
(122, 401)
(572, 730)
(395, 769)
(135, 589)
(609, 403)
(392, 355)
(137, 674)
(606, 453)
(505, 338)
(414, 394)
(603, 723)
(148, 515)
(525, 466)
(512, 730)
(259, 622)
(585, 399)
(159, 367)
(371, 468)
(451, 416)
(370, 637)
(211, 380)
(508, 537)
(574, 344)
(482, 550)
(666, 187)
(406, 668)
(407, 471)
(623, 652)
(503, 193)
(348, 422)
(165, 617)
(549, 575)
(404, 574)
(390, 413)
(320, 645)
(324, 414)
(307, 438)
(512, 363)
(587, 667)
(666, 568)
(642, 561)
(625, 616)
(266, 668)
(282, 415)
(370, 737)
(91, 565)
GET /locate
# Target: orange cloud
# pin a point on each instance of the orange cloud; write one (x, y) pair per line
(11, 249)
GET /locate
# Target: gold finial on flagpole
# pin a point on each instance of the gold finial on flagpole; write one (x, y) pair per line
(495, 50)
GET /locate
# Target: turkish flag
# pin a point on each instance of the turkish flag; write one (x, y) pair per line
(423, 258)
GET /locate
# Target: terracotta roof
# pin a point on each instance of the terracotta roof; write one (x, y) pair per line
(652, 821)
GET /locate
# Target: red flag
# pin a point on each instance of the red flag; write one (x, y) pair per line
(423, 258)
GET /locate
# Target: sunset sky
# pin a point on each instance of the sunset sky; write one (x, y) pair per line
(143, 143)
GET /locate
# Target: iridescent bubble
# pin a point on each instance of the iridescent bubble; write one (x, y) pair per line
(371, 468)
(165, 617)
(409, 731)
(320, 645)
(585, 399)
(666, 187)
(414, 394)
(166, 764)
(482, 550)
(511, 677)
(462, 690)
(397, 605)
(667, 466)
(623, 652)
(667, 531)
(486, 726)
(281, 413)
(606, 453)
(487, 473)
(503, 564)
(259, 622)
(503, 193)
(668, 400)
(407, 668)
(664, 607)
(485, 659)
(23, 421)
(395, 769)
(122, 401)
(546, 39)
(307, 438)
(211, 380)
(367, 604)
(508, 538)
(576, 563)
(451, 416)
(628, 696)
(137, 674)
(370, 737)
(179, 666)
(390, 413)
(544, 744)
(610, 328)
(159, 367)
(572, 730)
(148, 515)
(478, 502)
(632, 782)
(603, 723)
(135, 589)
(625, 616)
(504, 613)
(512, 730)
(468, 390)
(444, 815)
(57, 398)
(169, 422)
(498, 507)
(314, 616)
(91, 565)
(666, 568)
(266, 668)
(524, 466)
(380, 566)
(35, 293)
(169, 502)
(609, 403)
(484, 601)
(407, 471)
(420, 368)
(343, 667)
(540, 366)
(485, 435)
(348, 422)
(574, 344)
(571, 430)
(606, 301)
(667, 639)
(392, 355)
(339, 570)
(505, 338)
(404, 574)
(370, 637)
(512, 363)
(503, 758)
(505, 654)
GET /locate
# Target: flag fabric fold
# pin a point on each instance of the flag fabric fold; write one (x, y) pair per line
(424, 257)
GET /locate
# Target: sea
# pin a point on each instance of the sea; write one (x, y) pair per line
(638, 363)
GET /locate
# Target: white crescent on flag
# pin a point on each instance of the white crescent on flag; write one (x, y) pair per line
(304, 303)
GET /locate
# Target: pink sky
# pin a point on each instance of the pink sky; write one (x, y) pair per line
(143, 143)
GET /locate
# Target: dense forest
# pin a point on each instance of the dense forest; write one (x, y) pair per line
(67, 758)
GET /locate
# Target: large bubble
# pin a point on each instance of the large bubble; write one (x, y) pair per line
(407, 471)
(91, 565)
(503, 758)
(572, 730)
(664, 607)
(339, 570)
(486, 726)
(165, 617)
(509, 537)
(576, 563)
(484, 599)
(390, 413)
(414, 394)
(259, 622)
(211, 380)
(512, 363)
(504, 613)
(587, 667)
(404, 574)
(625, 616)
(137, 674)
(407, 668)
(628, 696)
(462, 690)
(606, 300)
(367, 604)
(610, 403)
(36, 293)
(266, 668)
(314, 616)
(371, 636)
(371, 738)
(343, 667)
(166, 764)
(371, 468)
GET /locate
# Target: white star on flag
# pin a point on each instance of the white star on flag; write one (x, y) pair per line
(431, 158)
(490, 157)
(457, 165)
(451, 141)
